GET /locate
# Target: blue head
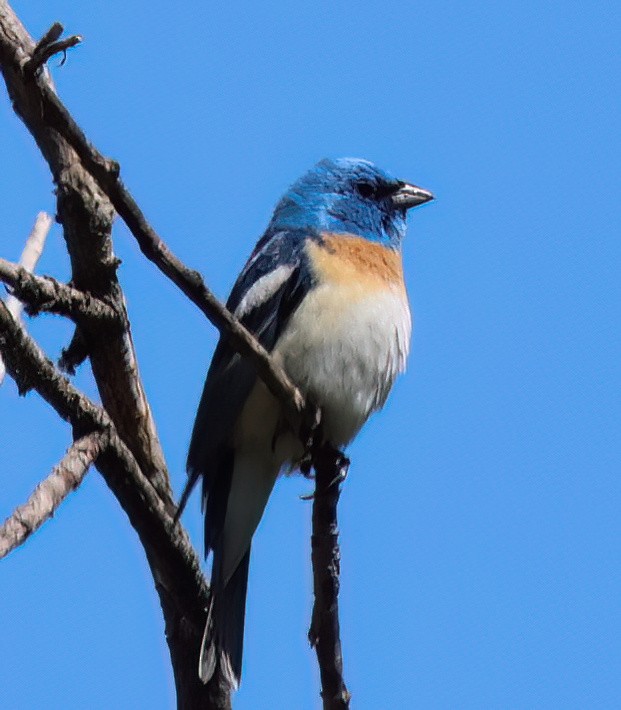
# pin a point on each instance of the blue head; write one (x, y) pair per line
(349, 195)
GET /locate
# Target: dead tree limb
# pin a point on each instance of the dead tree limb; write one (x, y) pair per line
(51, 492)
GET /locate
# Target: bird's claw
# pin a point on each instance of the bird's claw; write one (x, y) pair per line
(342, 462)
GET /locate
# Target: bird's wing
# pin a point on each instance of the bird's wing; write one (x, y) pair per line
(271, 286)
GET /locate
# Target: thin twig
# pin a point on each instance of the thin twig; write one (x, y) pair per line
(51, 492)
(324, 633)
(28, 260)
(194, 287)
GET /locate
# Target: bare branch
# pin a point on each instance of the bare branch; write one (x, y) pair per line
(28, 260)
(324, 634)
(45, 294)
(51, 492)
(47, 47)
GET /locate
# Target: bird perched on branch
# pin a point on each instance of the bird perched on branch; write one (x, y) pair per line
(323, 291)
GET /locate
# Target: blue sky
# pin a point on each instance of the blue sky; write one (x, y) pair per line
(480, 522)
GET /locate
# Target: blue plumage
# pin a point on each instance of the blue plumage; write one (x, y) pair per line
(323, 291)
(345, 195)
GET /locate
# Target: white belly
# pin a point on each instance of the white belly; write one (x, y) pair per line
(346, 358)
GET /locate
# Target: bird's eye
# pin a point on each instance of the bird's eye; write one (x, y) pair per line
(365, 189)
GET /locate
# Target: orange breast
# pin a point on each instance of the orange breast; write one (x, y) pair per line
(348, 260)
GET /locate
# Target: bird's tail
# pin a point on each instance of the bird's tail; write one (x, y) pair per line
(223, 640)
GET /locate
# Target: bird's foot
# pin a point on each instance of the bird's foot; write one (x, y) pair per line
(328, 458)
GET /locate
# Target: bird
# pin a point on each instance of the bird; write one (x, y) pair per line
(323, 291)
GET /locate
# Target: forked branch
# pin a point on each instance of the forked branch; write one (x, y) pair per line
(49, 45)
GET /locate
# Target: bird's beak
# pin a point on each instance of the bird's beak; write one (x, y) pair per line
(410, 196)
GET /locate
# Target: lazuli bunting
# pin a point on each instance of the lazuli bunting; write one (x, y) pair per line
(323, 291)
